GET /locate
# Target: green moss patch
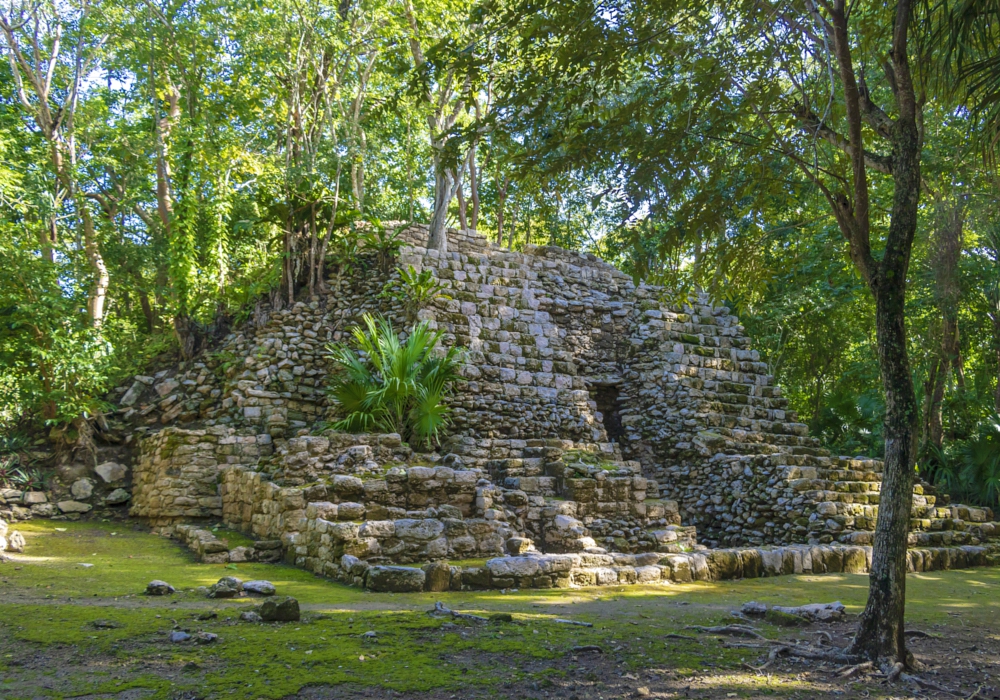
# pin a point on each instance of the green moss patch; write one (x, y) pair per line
(50, 645)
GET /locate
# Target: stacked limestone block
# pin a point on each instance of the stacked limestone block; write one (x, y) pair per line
(210, 549)
(400, 514)
(270, 372)
(527, 343)
(537, 570)
(307, 458)
(176, 476)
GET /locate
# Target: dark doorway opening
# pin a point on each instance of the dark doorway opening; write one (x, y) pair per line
(609, 405)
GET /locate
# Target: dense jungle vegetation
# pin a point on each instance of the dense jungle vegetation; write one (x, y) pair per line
(165, 164)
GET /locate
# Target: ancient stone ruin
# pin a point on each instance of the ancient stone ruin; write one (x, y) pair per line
(602, 435)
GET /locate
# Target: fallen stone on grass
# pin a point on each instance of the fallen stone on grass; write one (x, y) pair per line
(251, 616)
(158, 587)
(226, 587)
(437, 577)
(205, 638)
(179, 636)
(813, 612)
(15, 542)
(105, 624)
(753, 608)
(816, 612)
(259, 587)
(280, 610)
(440, 610)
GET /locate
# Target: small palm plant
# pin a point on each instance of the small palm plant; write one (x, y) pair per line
(392, 385)
(414, 290)
(385, 244)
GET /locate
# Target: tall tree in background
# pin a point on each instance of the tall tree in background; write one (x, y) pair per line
(51, 52)
(444, 91)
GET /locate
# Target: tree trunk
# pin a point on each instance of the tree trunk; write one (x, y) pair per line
(995, 319)
(147, 310)
(880, 629)
(501, 200)
(186, 334)
(463, 207)
(99, 289)
(446, 182)
(929, 385)
(473, 190)
(513, 229)
(949, 246)
(996, 391)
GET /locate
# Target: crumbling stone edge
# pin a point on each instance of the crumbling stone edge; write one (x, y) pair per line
(584, 569)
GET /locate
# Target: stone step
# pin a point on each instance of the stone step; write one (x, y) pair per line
(842, 497)
(849, 475)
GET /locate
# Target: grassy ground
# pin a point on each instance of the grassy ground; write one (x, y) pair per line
(50, 645)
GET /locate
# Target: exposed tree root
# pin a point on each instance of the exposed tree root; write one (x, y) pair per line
(856, 670)
(927, 685)
(801, 651)
(573, 622)
(680, 636)
(441, 611)
(774, 653)
(919, 634)
(821, 635)
(731, 630)
(834, 654)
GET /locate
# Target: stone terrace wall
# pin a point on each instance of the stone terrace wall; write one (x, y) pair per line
(176, 477)
(413, 514)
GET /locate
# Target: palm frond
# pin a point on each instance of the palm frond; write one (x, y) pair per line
(392, 385)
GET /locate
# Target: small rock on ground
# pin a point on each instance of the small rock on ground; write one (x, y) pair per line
(280, 610)
(158, 587)
(259, 587)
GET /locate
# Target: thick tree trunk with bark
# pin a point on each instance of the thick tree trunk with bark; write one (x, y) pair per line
(880, 629)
